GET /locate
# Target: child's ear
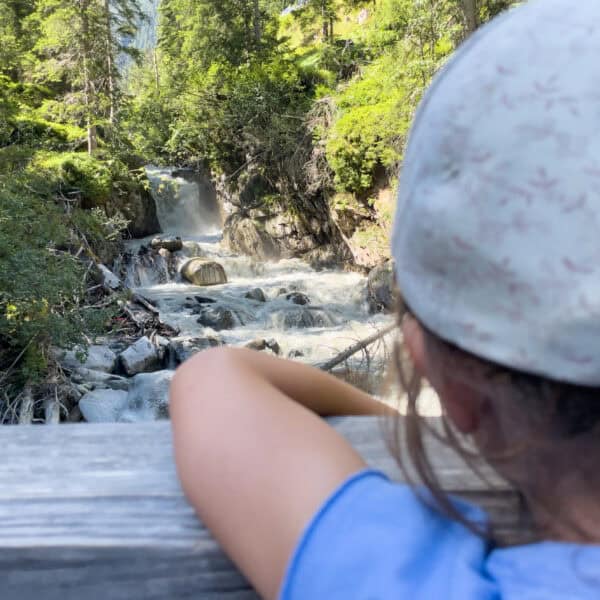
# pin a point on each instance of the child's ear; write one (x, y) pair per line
(461, 403)
(414, 341)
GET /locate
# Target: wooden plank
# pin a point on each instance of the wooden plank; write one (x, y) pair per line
(96, 511)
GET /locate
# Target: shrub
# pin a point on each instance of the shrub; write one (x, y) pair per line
(41, 286)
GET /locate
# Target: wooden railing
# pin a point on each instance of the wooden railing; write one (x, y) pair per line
(90, 512)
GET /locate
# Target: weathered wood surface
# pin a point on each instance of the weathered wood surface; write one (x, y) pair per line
(92, 512)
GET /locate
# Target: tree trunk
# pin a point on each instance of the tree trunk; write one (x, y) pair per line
(257, 23)
(325, 21)
(156, 71)
(92, 138)
(109, 63)
(87, 87)
(470, 11)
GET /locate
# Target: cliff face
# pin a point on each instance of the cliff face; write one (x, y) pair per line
(266, 225)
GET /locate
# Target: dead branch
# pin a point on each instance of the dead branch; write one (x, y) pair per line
(357, 347)
(137, 299)
(27, 407)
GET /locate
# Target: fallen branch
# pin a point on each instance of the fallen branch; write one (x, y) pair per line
(137, 299)
(141, 325)
(360, 345)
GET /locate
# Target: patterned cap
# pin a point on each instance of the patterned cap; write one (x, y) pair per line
(497, 233)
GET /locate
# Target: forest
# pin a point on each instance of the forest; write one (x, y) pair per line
(295, 109)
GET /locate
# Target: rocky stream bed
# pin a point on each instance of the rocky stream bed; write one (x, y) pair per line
(194, 293)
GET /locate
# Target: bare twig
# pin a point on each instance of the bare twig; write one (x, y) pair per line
(27, 407)
(360, 345)
(14, 362)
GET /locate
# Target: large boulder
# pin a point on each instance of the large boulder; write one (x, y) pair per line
(108, 279)
(302, 317)
(298, 298)
(148, 398)
(140, 357)
(140, 210)
(217, 317)
(94, 358)
(184, 348)
(201, 271)
(381, 288)
(103, 406)
(243, 235)
(256, 294)
(268, 225)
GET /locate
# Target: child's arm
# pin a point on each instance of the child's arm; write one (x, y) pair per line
(318, 391)
(254, 459)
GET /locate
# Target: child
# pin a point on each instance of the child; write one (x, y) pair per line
(497, 248)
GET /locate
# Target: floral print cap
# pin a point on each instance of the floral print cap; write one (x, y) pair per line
(497, 232)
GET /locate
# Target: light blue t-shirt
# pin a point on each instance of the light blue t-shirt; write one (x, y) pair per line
(374, 540)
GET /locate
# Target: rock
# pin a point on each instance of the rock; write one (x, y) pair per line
(298, 298)
(380, 288)
(182, 349)
(139, 208)
(163, 346)
(261, 344)
(273, 232)
(284, 291)
(172, 244)
(257, 345)
(295, 353)
(75, 416)
(245, 236)
(204, 300)
(303, 317)
(201, 271)
(148, 398)
(99, 358)
(217, 317)
(100, 379)
(140, 357)
(256, 294)
(103, 406)
(108, 278)
(273, 346)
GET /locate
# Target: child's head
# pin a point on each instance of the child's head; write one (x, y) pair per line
(497, 240)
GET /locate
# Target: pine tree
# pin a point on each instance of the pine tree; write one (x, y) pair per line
(78, 50)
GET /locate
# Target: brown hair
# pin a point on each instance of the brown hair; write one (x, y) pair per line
(566, 410)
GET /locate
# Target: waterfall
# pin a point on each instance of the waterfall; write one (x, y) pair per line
(185, 204)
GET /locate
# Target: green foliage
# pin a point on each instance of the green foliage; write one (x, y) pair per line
(59, 87)
(374, 116)
(411, 39)
(8, 109)
(70, 173)
(35, 131)
(41, 284)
